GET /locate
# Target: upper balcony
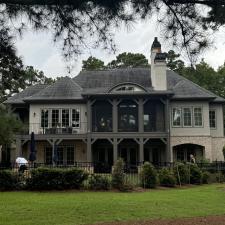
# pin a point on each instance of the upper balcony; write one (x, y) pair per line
(38, 128)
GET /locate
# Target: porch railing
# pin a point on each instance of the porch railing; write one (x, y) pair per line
(49, 128)
(95, 167)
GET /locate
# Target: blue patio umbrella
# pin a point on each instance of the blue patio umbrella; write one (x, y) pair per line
(32, 156)
(55, 154)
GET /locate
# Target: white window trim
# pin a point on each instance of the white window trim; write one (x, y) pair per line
(60, 116)
(180, 108)
(194, 116)
(213, 128)
(187, 107)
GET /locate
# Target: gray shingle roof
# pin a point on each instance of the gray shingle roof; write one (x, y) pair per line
(100, 81)
(18, 98)
(63, 89)
(108, 78)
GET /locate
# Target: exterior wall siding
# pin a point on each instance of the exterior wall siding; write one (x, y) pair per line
(219, 130)
(191, 131)
(80, 153)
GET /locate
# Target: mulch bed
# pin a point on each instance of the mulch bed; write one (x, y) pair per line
(209, 220)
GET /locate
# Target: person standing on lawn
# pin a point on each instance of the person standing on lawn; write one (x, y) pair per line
(22, 164)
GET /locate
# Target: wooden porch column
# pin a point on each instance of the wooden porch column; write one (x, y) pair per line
(115, 150)
(115, 115)
(141, 150)
(169, 152)
(140, 115)
(89, 125)
(89, 151)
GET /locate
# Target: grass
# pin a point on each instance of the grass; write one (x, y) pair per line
(71, 208)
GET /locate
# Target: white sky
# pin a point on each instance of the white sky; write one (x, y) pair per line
(38, 50)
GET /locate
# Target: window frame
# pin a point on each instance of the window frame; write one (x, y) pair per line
(194, 125)
(214, 110)
(191, 111)
(78, 109)
(172, 121)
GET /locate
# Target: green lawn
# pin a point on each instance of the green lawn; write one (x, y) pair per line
(70, 208)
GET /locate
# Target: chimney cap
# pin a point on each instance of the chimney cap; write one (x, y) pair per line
(156, 43)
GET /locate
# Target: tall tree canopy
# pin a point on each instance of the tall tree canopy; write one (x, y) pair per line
(15, 76)
(9, 124)
(128, 60)
(186, 23)
(125, 59)
(92, 63)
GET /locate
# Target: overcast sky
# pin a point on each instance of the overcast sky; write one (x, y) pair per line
(38, 50)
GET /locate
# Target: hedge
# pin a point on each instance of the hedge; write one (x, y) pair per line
(56, 179)
(8, 180)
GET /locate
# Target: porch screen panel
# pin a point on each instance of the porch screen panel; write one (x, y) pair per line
(102, 116)
(127, 116)
(65, 117)
(55, 118)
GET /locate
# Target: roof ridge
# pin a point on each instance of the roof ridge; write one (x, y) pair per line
(112, 69)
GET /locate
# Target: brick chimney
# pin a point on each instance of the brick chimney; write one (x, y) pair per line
(158, 67)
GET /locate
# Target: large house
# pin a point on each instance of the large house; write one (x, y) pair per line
(139, 114)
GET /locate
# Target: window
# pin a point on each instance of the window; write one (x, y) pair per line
(70, 155)
(198, 117)
(55, 117)
(76, 118)
(187, 119)
(176, 117)
(44, 118)
(212, 118)
(48, 155)
(65, 117)
(128, 88)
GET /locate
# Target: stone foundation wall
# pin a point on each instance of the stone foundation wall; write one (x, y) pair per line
(217, 146)
(200, 140)
(213, 146)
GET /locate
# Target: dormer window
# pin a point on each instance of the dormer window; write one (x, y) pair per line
(127, 88)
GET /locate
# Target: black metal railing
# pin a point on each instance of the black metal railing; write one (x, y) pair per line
(99, 167)
(50, 128)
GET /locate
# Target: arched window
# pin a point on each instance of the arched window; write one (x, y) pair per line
(127, 88)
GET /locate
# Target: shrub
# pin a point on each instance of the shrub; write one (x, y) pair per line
(118, 176)
(195, 174)
(181, 173)
(55, 179)
(206, 177)
(8, 180)
(167, 178)
(73, 178)
(99, 182)
(149, 176)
